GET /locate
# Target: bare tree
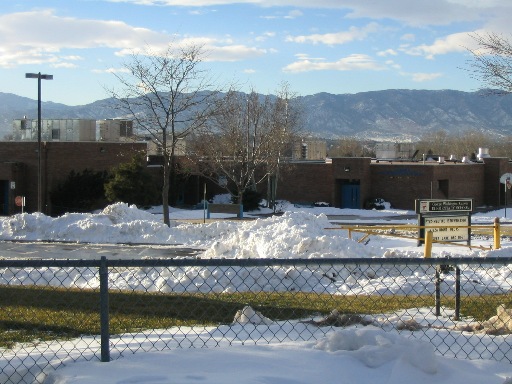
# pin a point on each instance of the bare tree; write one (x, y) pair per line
(244, 145)
(437, 142)
(492, 61)
(460, 144)
(169, 96)
(350, 147)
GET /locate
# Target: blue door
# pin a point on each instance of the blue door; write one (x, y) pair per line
(350, 196)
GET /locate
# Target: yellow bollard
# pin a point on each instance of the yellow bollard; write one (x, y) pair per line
(429, 237)
(497, 235)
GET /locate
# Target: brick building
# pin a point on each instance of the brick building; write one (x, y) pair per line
(19, 167)
(350, 182)
(347, 182)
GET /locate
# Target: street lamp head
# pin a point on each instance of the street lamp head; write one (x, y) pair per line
(38, 76)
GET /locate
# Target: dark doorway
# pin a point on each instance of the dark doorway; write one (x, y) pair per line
(4, 197)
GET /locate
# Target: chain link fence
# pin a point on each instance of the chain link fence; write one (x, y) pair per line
(54, 312)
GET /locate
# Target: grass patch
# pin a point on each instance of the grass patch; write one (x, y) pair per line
(31, 314)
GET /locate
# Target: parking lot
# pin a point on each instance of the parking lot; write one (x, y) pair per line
(72, 250)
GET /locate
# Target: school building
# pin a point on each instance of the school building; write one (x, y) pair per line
(345, 182)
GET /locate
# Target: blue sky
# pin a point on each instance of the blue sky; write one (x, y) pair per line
(335, 46)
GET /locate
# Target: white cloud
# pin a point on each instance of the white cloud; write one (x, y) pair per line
(457, 42)
(422, 77)
(39, 37)
(232, 52)
(417, 13)
(354, 33)
(408, 37)
(392, 64)
(111, 70)
(387, 52)
(249, 71)
(264, 36)
(352, 62)
(294, 14)
(64, 65)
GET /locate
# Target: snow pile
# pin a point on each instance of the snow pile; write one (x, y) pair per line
(248, 315)
(294, 235)
(501, 324)
(118, 223)
(374, 348)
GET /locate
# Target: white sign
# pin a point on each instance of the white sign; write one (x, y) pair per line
(450, 230)
(444, 206)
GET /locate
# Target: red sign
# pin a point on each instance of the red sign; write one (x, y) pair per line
(19, 200)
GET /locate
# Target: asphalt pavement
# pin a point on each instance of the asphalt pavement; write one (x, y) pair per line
(86, 251)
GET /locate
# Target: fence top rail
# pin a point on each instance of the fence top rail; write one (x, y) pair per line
(194, 262)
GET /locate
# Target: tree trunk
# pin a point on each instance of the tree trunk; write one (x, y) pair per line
(165, 191)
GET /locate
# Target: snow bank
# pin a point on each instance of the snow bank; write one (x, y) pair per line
(374, 348)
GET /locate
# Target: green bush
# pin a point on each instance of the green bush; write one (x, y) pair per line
(375, 203)
(131, 183)
(251, 200)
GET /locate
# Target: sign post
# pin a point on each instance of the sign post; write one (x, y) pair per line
(506, 180)
(20, 202)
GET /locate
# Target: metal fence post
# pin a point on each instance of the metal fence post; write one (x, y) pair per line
(457, 293)
(438, 290)
(104, 311)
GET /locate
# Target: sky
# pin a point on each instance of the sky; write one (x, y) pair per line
(254, 348)
(334, 46)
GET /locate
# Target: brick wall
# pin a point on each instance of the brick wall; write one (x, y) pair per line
(306, 183)
(402, 183)
(303, 182)
(57, 160)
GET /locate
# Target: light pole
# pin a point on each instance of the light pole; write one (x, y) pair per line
(39, 76)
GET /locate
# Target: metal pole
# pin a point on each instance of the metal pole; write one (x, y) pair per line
(505, 191)
(457, 293)
(104, 311)
(204, 204)
(39, 76)
(39, 173)
(437, 283)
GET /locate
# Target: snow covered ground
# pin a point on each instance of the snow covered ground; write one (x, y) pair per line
(349, 355)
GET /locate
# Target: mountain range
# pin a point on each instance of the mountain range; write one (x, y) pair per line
(388, 115)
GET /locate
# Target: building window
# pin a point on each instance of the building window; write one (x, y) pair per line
(55, 134)
(126, 128)
(304, 151)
